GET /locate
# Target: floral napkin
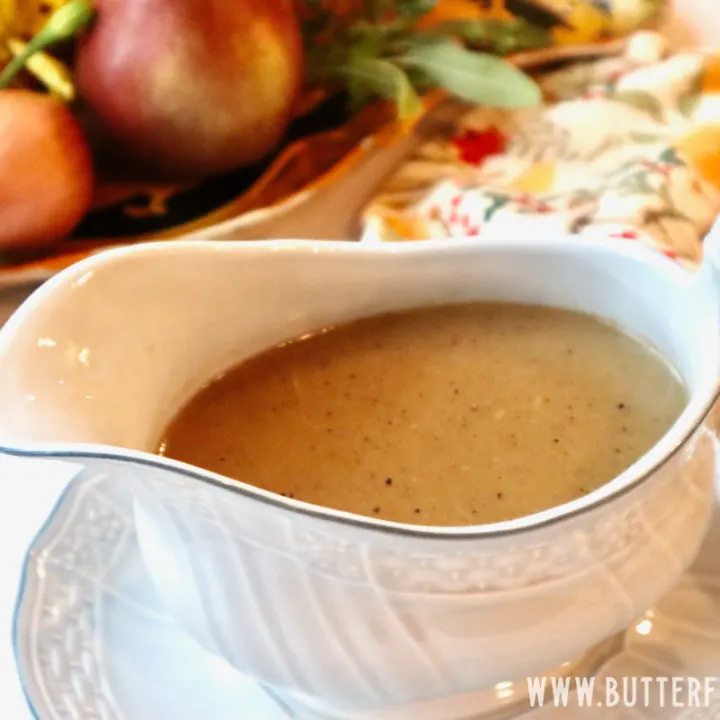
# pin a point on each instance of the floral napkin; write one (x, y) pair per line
(625, 147)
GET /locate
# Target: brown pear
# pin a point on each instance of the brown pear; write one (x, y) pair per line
(191, 88)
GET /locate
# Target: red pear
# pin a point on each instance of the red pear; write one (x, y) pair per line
(191, 88)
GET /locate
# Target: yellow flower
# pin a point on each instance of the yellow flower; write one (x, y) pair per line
(29, 16)
(587, 23)
(538, 178)
(21, 19)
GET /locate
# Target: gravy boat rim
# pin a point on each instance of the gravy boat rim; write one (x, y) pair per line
(625, 482)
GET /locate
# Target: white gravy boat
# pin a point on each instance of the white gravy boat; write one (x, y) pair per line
(340, 616)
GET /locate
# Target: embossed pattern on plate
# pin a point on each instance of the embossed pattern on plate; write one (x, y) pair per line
(94, 643)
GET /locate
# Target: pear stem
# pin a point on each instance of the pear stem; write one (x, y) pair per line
(65, 23)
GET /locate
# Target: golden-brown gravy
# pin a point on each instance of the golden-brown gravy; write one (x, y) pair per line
(455, 415)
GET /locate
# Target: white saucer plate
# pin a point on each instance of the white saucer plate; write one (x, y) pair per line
(93, 642)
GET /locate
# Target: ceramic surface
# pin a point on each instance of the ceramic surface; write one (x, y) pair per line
(94, 641)
(346, 617)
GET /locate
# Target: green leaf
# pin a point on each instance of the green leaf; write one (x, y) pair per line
(501, 37)
(642, 101)
(475, 77)
(382, 77)
(65, 23)
(415, 8)
(670, 156)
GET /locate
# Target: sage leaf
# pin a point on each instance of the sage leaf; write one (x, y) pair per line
(415, 8)
(499, 37)
(476, 77)
(384, 78)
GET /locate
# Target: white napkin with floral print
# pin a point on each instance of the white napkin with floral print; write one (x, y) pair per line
(625, 147)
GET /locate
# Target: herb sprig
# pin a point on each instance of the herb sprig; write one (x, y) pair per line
(378, 48)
